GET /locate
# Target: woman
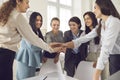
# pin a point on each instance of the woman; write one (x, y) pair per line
(94, 44)
(51, 62)
(29, 56)
(14, 26)
(55, 35)
(74, 56)
(110, 37)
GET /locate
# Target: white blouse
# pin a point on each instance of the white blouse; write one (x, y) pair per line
(16, 28)
(110, 40)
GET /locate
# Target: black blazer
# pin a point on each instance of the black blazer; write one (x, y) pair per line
(82, 48)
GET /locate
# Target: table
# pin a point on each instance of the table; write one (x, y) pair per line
(51, 76)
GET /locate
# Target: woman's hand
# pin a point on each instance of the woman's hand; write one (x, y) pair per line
(44, 60)
(61, 47)
(64, 45)
(68, 44)
(58, 47)
(56, 58)
(97, 74)
(55, 44)
(94, 64)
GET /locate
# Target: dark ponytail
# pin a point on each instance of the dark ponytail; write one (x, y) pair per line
(99, 28)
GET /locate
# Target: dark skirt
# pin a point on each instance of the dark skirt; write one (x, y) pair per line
(114, 63)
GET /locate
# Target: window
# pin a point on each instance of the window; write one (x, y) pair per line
(51, 13)
(61, 9)
(65, 15)
(1, 1)
(66, 2)
(53, 0)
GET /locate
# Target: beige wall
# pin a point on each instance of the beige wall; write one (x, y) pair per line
(79, 8)
(40, 6)
(117, 4)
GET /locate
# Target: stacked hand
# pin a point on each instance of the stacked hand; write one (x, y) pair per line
(94, 64)
(58, 47)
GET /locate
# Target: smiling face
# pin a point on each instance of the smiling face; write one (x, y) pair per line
(97, 11)
(38, 21)
(55, 24)
(23, 5)
(74, 27)
(88, 20)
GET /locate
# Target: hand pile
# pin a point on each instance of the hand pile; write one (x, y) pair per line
(58, 47)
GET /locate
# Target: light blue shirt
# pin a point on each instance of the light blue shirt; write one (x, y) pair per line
(76, 48)
(29, 54)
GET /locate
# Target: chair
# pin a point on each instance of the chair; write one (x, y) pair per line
(115, 76)
(61, 58)
(84, 71)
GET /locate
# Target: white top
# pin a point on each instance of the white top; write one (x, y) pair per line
(16, 28)
(110, 40)
(94, 48)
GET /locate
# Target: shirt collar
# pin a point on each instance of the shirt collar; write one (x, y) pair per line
(77, 34)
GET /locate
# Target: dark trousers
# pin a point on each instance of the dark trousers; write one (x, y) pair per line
(6, 64)
(71, 63)
(114, 63)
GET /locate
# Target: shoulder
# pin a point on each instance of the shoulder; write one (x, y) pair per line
(67, 32)
(60, 32)
(114, 20)
(21, 18)
(16, 15)
(49, 33)
(82, 32)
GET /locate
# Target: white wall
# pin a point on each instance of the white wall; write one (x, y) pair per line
(80, 7)
(117, 4)
(40, 6)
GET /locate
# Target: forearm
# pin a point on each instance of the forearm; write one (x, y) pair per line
(97, 74)
(69, 44)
